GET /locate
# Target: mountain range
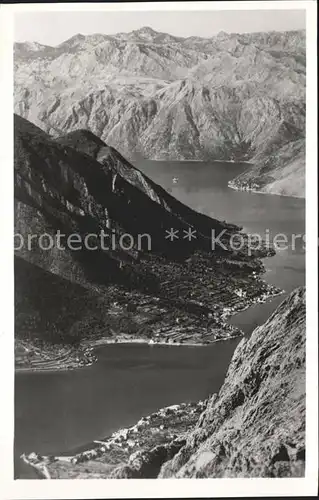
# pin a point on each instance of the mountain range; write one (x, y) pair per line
(153, 95)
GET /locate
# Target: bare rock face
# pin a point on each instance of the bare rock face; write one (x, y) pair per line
(149, 94)
(255, 425)
(147, 464)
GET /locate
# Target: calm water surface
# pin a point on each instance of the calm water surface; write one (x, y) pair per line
(203, 186)
(61, 411)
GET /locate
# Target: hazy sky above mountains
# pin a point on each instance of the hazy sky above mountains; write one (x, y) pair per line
(52, 28)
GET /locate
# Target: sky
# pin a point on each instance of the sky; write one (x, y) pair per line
(52, 28)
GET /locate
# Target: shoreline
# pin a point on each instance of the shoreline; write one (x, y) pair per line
(105, 341)
(40, 468)
(88, 346)
(267, 300)
(256, 191)
(245, 162)
(138, 341)
(153, 431)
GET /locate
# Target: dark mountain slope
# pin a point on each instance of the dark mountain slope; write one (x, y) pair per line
(86, 142)
(62, 192)
(83, 141)
(45, 302)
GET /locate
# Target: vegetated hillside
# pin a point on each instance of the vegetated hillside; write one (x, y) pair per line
(255, 425)
(77, 185)
(149, 94)
(54, 309)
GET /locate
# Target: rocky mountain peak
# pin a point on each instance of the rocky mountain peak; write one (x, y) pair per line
(222, 35)
(30, 46)
(73, 41)
(146, 31)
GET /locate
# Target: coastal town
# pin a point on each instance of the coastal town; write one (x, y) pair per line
(245, 186)
(143, 447)
(53, 357)
(191, 307)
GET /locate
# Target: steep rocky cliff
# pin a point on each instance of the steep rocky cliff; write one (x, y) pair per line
(255, 425)
(149, 94)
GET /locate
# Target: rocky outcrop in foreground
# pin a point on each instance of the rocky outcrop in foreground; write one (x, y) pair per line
(148, 94)
(255, 425)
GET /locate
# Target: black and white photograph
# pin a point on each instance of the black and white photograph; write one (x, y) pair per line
(159, 246)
